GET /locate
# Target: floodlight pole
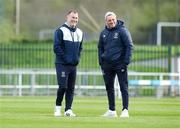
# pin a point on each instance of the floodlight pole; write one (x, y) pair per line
(17, 17)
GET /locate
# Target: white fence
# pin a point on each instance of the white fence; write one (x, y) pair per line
(18, 80)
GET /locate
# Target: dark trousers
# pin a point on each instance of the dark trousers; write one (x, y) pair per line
(109, 72)
(66, 76)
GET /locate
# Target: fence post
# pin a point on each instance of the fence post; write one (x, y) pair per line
(159, 92)
(48, 92)
(169, 58)
(20, 84)
(33, 80)
(117, 88)
(78, 86)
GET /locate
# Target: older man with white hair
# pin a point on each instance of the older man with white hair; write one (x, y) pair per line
(115, 51)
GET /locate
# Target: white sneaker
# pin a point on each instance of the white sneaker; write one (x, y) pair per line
(124, 113)
(57, 111)
(110, 113)
(69, 113)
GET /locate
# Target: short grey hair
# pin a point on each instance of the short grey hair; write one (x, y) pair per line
(108, 14)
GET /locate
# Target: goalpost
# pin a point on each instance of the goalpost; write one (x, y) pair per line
(164, 24)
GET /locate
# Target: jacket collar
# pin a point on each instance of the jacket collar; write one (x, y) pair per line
(70, 28)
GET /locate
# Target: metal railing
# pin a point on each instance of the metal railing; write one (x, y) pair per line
(16, 81)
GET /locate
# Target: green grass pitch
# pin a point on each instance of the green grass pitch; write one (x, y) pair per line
(37, 112)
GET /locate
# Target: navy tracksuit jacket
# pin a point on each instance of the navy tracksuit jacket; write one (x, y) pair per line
(114, 52)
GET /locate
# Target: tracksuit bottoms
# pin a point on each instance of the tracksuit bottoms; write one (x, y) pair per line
(109, 72)
(66, 76)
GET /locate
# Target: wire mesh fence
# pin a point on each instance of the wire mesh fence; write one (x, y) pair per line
(39, 55)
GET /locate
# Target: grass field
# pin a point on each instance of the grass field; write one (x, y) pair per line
(37, 112)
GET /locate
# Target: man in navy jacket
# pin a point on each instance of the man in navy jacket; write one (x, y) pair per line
(114, 52)
(67, 48)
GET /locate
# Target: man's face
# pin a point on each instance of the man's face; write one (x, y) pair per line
(111, 21)
(72, 19)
